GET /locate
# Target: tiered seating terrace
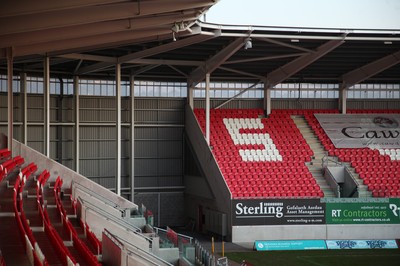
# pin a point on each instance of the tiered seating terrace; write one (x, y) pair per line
(378, 168)
(264, 157)
(42, 243)
(260, 157)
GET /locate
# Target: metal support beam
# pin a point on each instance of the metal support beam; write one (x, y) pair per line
(208, 108)
(132, 93)
(130, 58)
(190, 93)
(213, 63)
(282, 73)
(237, 95)
(145, 69)
(24, 91)
(178, 71)
(343, 100)
(10, 101)
(166, 47)
(360, 74)
(46, 105)
(267, 99)
(118, 127)
(286, 44)
(242, 73)
(77, 123)
(263, 58)
(59, 128)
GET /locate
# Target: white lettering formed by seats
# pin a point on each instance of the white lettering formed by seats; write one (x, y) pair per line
(393, 153)
(269, 153)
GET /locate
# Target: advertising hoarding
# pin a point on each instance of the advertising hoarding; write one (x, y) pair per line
(289, 245)
(278, 212)
(385, 211)
(361, 244)
(362, 130)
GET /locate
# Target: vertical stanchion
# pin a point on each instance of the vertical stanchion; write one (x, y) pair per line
(223, 249)
(212, 245)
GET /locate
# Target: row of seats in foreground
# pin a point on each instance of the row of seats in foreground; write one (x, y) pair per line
(43, 222)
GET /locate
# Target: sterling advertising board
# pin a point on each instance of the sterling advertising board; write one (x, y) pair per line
(278, 212)
(380, 131)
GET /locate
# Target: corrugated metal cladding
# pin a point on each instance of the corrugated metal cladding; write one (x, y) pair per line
(61, 109)
(304, 104)
(159, 103)
(234, 104)
(167, 208)
(373, 104)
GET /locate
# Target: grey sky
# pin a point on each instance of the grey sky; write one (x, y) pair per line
(344, 14)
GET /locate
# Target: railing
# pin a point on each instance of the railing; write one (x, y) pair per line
(325, 161)
(203, 256)
(106, 201)
(129, 227)
(172, 239)
(129, 250)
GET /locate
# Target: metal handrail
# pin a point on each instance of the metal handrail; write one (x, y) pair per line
(123, 245)
(129, 227)
(326, 159)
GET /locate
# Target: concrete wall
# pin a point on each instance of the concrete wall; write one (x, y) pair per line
(221, 194)
(68, 175)
(248, 234)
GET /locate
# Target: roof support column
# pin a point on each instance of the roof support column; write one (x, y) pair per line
(46, 105)
(25, 107)
(343, 99)
(77, 138)
(118, 125)
(267, 99)
(190, 99)
(208, 108)
(10, 100)
(132, 93)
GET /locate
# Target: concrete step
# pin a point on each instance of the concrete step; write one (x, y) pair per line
(315, 166)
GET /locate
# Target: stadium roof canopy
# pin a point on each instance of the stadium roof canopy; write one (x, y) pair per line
(163, 39)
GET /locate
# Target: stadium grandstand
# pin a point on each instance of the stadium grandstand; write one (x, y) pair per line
(127, 122)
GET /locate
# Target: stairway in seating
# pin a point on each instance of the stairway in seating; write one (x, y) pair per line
(315, 166)
(320, 155)
(363, 191)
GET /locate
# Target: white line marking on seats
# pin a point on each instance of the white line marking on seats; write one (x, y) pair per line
(269, 153)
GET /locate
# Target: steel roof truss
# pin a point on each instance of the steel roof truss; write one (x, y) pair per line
(214, 62)
(130, 58)
(360, 74)
(287, 45)
(262, 58)
(282, 73)
(241, 72)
